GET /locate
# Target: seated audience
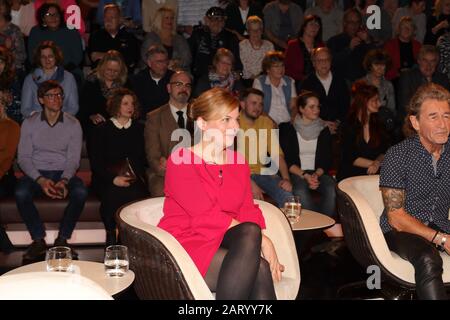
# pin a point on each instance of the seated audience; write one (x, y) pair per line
(11, 85)
(23, 15)
(163, 32)
(330, 15)
(48, 59)
(298, 52)
(439, 22)
(306, 144)
(364, 139)
(209, 207)
(415, 10)
(333, 94)
(110, 74)
(116, 143)
(253, 50)
(282, 22)
(208, 38)
(130, 10)
(221, 75)
(425, 72)
(150, 84)
(279, 89)
(160, 125)
(51, 28)
(415, 186)
(150, 8)
(113, 37)
(402, 49)
(49, 155)
(381, 34)
(259, 143)
(9, 139)
(238, 12)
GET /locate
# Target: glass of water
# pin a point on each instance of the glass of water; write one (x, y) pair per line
(292, 208)
(116, 260)
(59, 259)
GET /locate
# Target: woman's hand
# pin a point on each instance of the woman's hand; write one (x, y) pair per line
(256, 191)
(268, 252)
(97, 118)
(374, 167)
(312, 180)
(122, 181)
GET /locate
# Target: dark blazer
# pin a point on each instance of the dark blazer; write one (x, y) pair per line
(334, 105)
(291, 149)
(234, 19)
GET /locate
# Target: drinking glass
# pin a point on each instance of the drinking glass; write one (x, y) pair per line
(116, 260)
(59, 259)
(292, 208)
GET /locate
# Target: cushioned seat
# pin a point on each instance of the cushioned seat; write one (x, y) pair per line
(163, 268)
(360, 206)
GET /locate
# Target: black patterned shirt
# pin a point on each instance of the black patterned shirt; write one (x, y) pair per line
(409, 166)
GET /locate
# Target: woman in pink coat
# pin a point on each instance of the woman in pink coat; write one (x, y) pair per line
(209, 207)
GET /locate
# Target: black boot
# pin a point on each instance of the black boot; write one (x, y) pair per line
(5, 244)
(111, 237)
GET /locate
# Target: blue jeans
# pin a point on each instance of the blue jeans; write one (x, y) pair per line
(26, 188)
(327, 203)
(270, 185)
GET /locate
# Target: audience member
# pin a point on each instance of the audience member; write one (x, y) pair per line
(443, 46)
(378, 35)
(113, 37)
(253, 50)
(415, 10)
(149, 9)
(12, 38)
(150, 84)
(259, 143)
(10, 85)
(350, 47)
(306, 144)
(49, 155)
(50, 28)
(163, 32)
(23, 15)
(364, 139)
(402, 49)
(333, 93)
(282, 22)
(206, 39)
(117, 144)
(279, 89)
(425, 72)
(238, 12)
(330, 15)
(439, 22)
(160, 125)
(298, 52)
(209, 208)
(130, 12)
(221, 75)
(48, 59)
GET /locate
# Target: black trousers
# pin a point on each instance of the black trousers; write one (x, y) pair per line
(426, 260)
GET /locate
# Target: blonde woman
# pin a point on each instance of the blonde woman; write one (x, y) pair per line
(209, 206)
(164, 33)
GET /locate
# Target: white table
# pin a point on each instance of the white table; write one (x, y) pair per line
(311, 220)
(92, 270)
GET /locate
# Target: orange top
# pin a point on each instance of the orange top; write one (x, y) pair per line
(9, 139)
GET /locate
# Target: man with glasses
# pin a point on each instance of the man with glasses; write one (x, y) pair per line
(49, 155)
(160, 125)
(207, 39)
(150, 84)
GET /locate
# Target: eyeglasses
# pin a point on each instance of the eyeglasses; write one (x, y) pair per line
(49, 14)
(53, 96)
(180, 84)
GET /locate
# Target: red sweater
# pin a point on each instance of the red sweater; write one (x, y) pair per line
(199, 204)
(392, 47)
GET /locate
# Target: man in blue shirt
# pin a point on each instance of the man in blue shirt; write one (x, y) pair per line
(49, 154)
(415, 185)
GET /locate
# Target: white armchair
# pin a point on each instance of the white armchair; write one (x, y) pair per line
(163, 268)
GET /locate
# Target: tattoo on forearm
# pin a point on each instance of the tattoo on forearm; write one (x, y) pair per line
(393, 199)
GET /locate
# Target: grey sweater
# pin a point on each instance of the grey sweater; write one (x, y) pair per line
(42, 147)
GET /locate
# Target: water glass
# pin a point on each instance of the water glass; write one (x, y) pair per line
(292, 208)
(59, 259)
(116, 260)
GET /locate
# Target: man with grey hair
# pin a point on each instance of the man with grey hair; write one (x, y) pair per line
(150, 84)
(424, 72)
(160, 125)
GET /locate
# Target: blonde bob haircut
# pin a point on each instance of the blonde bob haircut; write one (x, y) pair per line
(112, 55)
(158, 18)
(213, 104)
